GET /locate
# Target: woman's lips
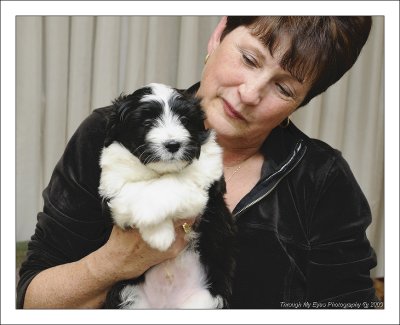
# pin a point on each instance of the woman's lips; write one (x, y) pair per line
(231, 112)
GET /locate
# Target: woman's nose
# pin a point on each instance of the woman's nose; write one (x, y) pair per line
(250, 93)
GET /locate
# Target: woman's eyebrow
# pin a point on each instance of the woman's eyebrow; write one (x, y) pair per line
(301, 81)
(290, 76)
(259, 53)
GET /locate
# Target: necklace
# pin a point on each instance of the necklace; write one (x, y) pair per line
(234, 172)
(237, 168)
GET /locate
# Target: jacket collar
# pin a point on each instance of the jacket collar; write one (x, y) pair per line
(281, 143)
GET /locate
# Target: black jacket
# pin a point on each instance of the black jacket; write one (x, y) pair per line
(301, 229)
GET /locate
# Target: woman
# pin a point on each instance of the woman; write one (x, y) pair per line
(301, 214)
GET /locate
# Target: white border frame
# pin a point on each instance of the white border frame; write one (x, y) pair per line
(10, 9)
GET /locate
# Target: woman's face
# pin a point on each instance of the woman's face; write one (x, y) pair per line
(245, 93)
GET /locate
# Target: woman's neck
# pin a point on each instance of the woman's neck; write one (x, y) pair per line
(235, 151)
(233, 157)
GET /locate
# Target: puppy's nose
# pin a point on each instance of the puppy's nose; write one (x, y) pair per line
(172, 146)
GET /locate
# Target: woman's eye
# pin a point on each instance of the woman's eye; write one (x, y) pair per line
(249, 60)
(284, 91)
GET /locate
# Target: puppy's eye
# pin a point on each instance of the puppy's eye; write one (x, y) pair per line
(148, 123)
(184, 120)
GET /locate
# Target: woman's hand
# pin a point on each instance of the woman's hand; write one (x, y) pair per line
(85, 283)
(126, 255)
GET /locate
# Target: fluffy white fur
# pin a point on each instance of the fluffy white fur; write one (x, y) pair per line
(150, 197)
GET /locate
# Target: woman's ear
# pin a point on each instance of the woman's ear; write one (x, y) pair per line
(215, 38)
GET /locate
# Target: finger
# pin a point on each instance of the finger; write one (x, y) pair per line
(179, 244)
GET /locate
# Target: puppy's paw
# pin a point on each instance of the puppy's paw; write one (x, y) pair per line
(147, 214)
(159, 236)
(121, 216)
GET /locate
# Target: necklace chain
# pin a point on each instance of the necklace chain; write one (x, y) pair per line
(234, 172)
(237, 168)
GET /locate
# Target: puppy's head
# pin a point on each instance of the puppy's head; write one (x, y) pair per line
(161, 126)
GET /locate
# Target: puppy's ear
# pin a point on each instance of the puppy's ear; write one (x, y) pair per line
(202, 138)
(111, 129)
(204, 135)
(119, 104)
(217, 188)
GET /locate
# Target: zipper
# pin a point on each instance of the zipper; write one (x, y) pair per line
(299, 150)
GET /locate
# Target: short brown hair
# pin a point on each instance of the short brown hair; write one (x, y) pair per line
(321, 48)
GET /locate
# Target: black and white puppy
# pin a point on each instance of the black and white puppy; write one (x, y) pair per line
(160, 164)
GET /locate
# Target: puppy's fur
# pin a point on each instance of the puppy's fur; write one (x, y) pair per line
(160, 164)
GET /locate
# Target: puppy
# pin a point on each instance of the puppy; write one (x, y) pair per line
(160, 164)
